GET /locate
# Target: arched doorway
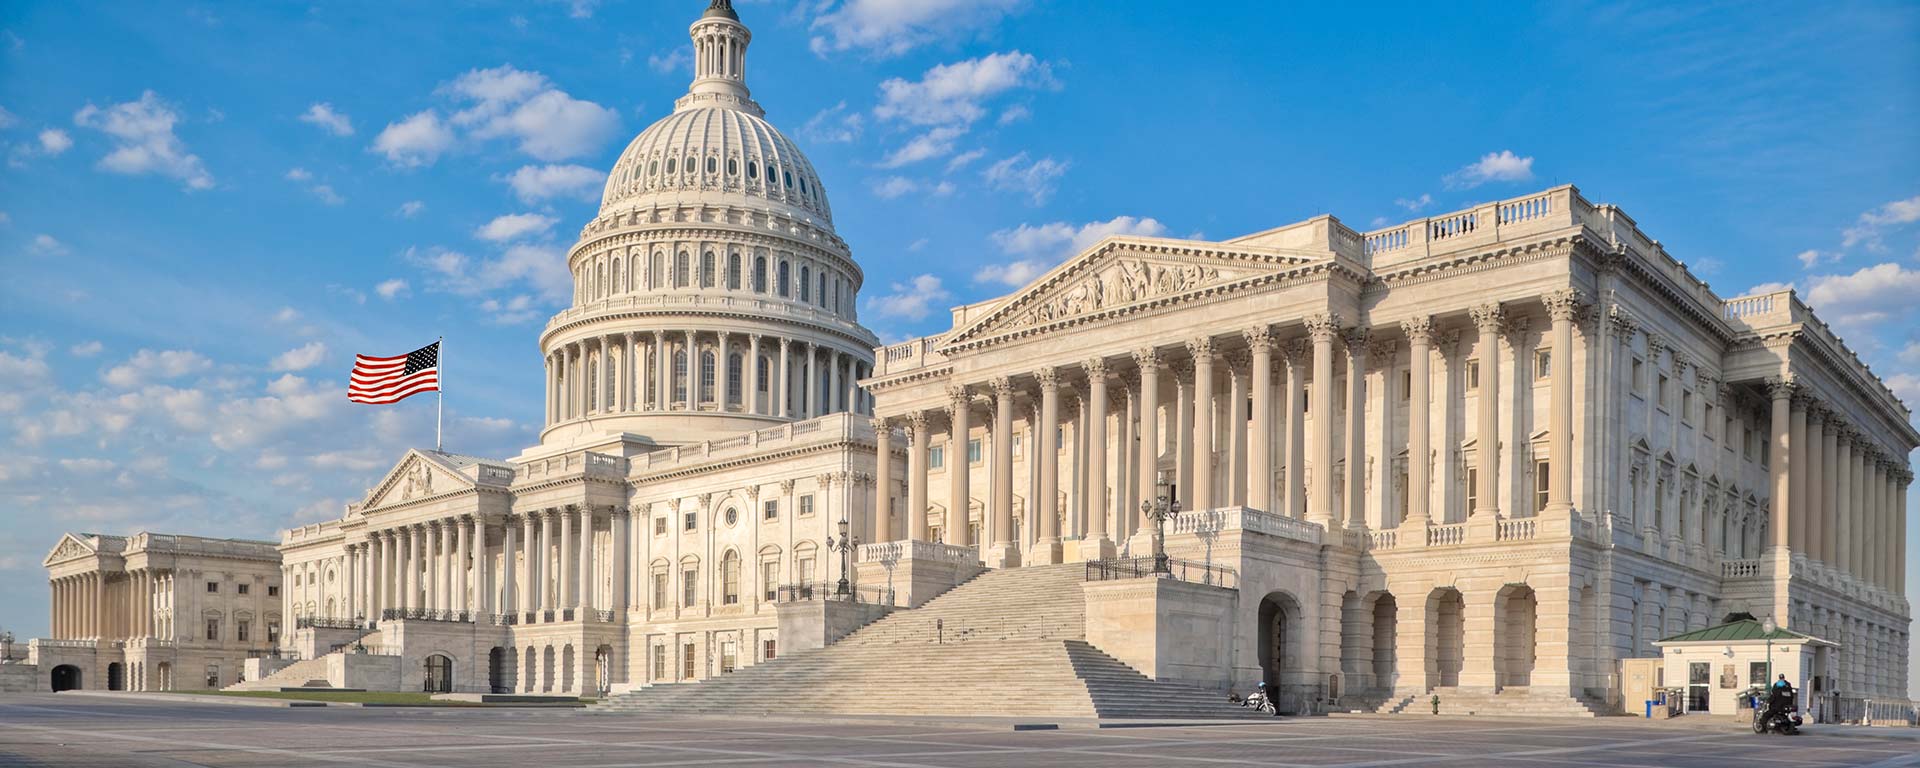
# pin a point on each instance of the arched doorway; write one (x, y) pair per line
(439, 674)
(500, 670)
(1279, 650)
(602, 670)
(1386, 632)
(165, 673)
(527, 681)
(116, 676)
(66, 677)
(1514, 610)
(1446, 623)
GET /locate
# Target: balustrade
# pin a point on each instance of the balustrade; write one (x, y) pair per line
(1447, 535)
(1520, 529)
(1740, 569)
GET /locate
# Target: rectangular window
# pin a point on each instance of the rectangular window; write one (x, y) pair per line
(1541, 477)
(1473, 489)
(806, 571)
(686, 661)
(273, 591)
(243, 588)
(806, 505)
(693, 521)
(973, 452)
(1757, 673)
(1746, 441)
(728, 652)
(771, 510)
(213, 676)
(1660, 394)
(659, 591)
(1706, 420)
(240, 631)
(936, 457)
(659, 662)
(1406, 385)
(1542, 363)
(1473, 374)
(689, 587)
(214, 586)
(1018, 445)
(1639, 382)
(768, 650)
(213, 629)
(660, 526)
(1686, 405)
(273, 633)
(770, 580)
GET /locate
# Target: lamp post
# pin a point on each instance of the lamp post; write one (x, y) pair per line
(1158, 509)
(844, 546)
(1766, 629)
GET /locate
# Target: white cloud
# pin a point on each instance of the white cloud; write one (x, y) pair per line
(915, 246)
(893, 27)
(327, 195)
(1416, 204)
(297, 173)
(410, 209)
(513, 311)
(534, 183)
(54, 141)
(965, 158)
(675, 60)
(1035, 179)
(419, 139)
(86, 349)
(515, 226)
(1768, 288)
(143, 140)
(548, 124)
(1811, 258)
(1870, 295)
(323, 114)
(1873, 224)
(45, 245)
(542, 267)
(148, 365)
(896, 186)
(1045, 245)
(1014, 114)
(833, 125)
(911, 300)
(286, 315)
(951, 94)
(395, 288)
(23, 369)
(1493, 166)
(7, 118)
(932, 144)
(300, 358)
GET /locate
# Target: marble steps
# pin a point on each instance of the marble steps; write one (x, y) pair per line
(306, 673)
(1511, 702)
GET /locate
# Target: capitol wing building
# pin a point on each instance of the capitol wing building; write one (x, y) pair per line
(1487, 455)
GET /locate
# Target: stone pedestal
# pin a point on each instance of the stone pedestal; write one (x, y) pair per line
(1095, 549)
(812, 624)
(1003, 556)
(1046, 552)
(1165, 629)
(914, 572)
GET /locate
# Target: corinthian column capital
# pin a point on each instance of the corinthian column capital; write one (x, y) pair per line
(1323, 326)
(1489, 318)
(1419, 330)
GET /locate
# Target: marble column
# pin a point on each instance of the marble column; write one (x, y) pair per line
(1259, 478)
(1815, 510)
(1294, 486)
(622, 524)
(1797, 504)
(812, 379)
(959, 407)
(1203, 410)
(462, 575)
(1562, 306)
(1781, 392)
(584, 586)
(1830, 471)
(833, 382)
(1490, 320)
(918, 439)
(882, 480)
(543, 564)
(662, 380)
(1323, 328)
(1046, 451)
(1005, 552)
(1096, 544)
(1148, 476)
(564, 574)
(1233, 431)
(692, 355)
(723, 374)
(1842, 470)
(1419, 332)
(1354, 441)
(752, 382)
(482, 600)
(785, 398)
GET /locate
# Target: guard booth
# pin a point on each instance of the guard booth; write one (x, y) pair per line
(1713, 668)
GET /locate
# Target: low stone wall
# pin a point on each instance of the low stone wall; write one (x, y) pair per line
(1166, 629)
(21, 678)
(813, 624)
(365, 671)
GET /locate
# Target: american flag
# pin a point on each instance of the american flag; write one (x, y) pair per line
(382, 380)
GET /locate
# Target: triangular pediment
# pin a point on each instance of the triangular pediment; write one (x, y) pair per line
(418, 475)
(1123, 273)
(68, 548)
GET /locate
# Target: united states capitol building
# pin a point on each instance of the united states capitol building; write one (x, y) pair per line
(1487, 454)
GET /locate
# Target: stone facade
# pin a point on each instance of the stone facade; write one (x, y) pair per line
(155, 612)
(1501, 448)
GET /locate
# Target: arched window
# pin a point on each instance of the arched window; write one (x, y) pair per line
(618, 286)
(656, 264)
(764, 376)
(680, 378)
(836, 293)
(439, 674)
(821, 295)
(788, 176)
(713, 166)
(733, 167)
(806, 280)
(734, 375)
(593, 384)
(706, 376)
(706, 270)
(600, 289)
(759, 274)
(733, 271)
(653, 168)
(782, 286)
(669, 166)
(730, 578)
(753, 170)
(682, 271)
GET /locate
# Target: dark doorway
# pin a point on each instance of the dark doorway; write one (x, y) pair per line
(499, 671)
(116, 677)
(439, 674)
(66, 677)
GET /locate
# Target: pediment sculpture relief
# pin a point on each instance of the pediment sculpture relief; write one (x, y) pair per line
(419, 482)
(70, 548)
(1124, 281)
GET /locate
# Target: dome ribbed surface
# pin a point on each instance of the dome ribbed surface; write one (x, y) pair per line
(730, 151)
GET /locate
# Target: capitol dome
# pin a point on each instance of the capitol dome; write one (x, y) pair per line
(711, 295)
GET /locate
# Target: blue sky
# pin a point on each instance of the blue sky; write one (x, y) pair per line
(208, 208)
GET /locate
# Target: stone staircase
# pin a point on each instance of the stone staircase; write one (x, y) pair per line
(1509, 702)
(305, 673)
(1007, 642)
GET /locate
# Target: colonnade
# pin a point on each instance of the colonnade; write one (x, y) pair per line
(693, 370)
(1839, 498)
(444, 565)
(1218, 383)
(106, 606)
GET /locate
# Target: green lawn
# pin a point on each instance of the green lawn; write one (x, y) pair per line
(350, 697)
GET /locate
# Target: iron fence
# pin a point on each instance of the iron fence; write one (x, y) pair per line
(800, 593)
(329, 622)
(1172, 568)
(418, 614)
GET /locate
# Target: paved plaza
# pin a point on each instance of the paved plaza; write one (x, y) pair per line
(50, 730)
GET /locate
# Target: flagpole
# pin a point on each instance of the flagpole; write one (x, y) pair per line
(440, 393)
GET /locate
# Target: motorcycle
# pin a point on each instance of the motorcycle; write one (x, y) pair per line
(1781, 719)
(1256, 701)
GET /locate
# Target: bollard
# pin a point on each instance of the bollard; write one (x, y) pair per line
(1436, 703)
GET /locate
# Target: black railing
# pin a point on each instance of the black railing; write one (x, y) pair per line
(419, 614)
(800, 593)
(1171, 568)
(328, 622)
(363, 648)
(274, 653)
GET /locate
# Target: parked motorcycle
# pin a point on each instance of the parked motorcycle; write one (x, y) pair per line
(1781, 716)
(1256, 701)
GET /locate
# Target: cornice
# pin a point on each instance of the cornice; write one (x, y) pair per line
(749, 459)
(860, 346)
